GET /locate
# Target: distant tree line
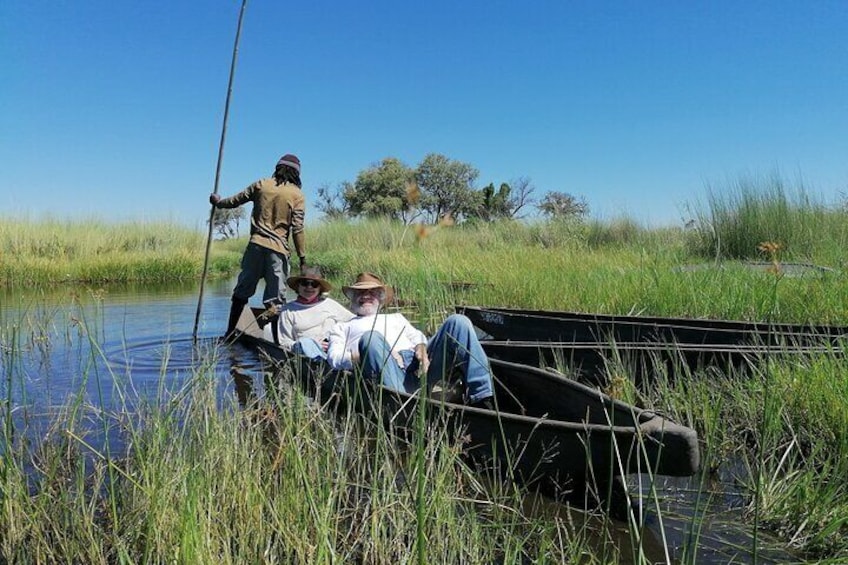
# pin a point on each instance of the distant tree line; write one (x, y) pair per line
(437, 188)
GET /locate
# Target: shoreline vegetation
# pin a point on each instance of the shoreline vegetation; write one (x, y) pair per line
(279, 482)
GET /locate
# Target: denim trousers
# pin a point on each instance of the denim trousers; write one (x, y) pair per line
(454, 348)
(262, 263)
(309, 347)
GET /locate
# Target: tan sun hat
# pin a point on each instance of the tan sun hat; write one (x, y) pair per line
(365, 281)
(311, 274)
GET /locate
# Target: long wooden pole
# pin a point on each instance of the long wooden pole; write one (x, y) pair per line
(218, 168)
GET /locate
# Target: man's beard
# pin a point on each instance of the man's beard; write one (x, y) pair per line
(366, 309)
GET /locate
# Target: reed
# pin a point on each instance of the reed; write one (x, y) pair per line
(750, 210)
(203, 482)
(193, 480)
(506, 264)
(51, 251)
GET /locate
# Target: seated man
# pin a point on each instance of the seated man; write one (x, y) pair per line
(389, 348)
(305, 322)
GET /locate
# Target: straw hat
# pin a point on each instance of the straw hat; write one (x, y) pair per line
(311, 274)
(365, 281)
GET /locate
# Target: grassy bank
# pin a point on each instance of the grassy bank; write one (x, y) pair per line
(92, 251)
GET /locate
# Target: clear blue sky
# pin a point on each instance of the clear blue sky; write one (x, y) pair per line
(115, 107)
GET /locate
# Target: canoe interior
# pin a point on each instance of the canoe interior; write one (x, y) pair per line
(595, 362)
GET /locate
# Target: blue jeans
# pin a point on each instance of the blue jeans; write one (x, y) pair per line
(262, 263)
(308, 347)
(454, 347)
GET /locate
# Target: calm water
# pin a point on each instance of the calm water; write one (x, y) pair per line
(141, 338)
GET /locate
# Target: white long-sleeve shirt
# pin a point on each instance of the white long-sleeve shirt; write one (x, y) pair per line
(344, 338)
(313, 320)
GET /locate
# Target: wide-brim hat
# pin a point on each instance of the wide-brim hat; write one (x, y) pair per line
(366, 281)
(312, 274)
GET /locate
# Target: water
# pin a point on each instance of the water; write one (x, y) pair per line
(86, 346)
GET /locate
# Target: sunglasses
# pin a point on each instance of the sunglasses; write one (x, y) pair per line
(309, 284)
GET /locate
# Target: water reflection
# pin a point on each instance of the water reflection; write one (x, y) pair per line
(92, 345)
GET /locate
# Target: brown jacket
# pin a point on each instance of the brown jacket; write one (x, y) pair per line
(278, 210)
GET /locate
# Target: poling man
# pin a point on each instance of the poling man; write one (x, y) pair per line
(278, 214)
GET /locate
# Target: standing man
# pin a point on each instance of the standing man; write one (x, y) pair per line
(278, 212)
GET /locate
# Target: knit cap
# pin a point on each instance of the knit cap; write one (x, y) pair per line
(290, 161)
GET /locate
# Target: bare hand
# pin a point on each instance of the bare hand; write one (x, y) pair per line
(214, 199)
(398, 359)
(423, 358)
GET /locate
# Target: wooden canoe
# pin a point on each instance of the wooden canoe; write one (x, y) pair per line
(594, 362)
(547, 431)
(546, 325)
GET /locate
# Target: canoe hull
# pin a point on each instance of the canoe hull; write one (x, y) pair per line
(547, 431)
(542, 325)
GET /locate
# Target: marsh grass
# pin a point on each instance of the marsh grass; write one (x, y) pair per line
(738, 217)
(782, 425)
(201, 482)
(186, 478)
(503, 264)
(49, 251)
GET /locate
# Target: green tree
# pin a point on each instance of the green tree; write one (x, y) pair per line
(225, 221)
(507, 202)
(384, 189)
(561, 205)
(447, 187)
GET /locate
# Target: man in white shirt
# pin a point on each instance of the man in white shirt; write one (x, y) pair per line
(387, 347)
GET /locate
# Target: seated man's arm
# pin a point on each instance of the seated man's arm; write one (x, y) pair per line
(419, 342)
(338, 355)
(421, 355)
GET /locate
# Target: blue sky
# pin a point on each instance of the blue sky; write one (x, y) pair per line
(114, 108)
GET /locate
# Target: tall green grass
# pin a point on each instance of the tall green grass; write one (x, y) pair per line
(199, 477)
(51, 251)
(276, 481)
(506, 264)
(750, 210)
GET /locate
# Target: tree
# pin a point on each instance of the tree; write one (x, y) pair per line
(561, 205)
(384, 189)
(507, 202)
(447, 187)
(225, 221)
(331, 202)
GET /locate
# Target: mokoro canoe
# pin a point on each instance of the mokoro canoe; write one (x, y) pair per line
(595, 362)
(547, 431)
(545, 325)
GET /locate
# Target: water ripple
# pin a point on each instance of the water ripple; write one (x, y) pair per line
(181, 354)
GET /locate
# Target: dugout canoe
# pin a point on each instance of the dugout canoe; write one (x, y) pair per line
(546, 431)
(548, 325)
(595, 362)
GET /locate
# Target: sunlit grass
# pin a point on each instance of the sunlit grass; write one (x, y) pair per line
(51, 251)
(192, 479)
(737, 216)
